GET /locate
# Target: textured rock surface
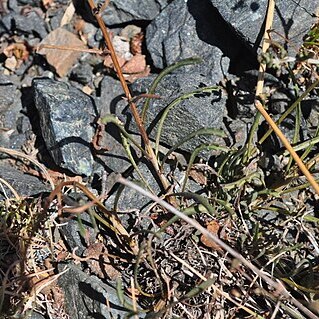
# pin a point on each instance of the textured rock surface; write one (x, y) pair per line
(25, 185)
(24, 24)
(109, 102)
(200, 111)
(120, 11)
(72, 236)
(86, 296)
(195, 28)
(292, 19)
(8, 95)
(66, 115)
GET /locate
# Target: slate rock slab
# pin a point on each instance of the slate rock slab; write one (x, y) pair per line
(32, 23)
(111, 101)
(25, 185)
(86, 296)
(292, 19)
(120, 11)
(66, 116)
(194, 28)
(202, 111)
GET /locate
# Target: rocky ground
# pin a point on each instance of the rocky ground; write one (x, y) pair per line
(102, 250)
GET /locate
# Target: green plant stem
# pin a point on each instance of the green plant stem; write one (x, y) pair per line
(202, 131)
(174, 104)
(165, 72)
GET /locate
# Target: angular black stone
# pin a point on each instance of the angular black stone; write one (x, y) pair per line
(120, 11)
(195, 28)
(201, 111)
(292, 19)
(66, 116)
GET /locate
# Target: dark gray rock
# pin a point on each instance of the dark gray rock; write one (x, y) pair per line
(55, 15)
(8, 96)
(72, 236)
(33, 3)
(25, 185)
(86, 296)
(194, 28)
(32, 23)
(292, 19)
(119, 11)
(13, 124)
(82, 73)
(111, 101)
(66, 116)
(13, 5)
(129, 199)
(278, 102)
(201, 111)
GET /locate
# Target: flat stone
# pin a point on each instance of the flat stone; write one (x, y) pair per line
(61, 60)
(32, 23)
(201, 111)
(24, 184)
(8, 95)
(120, 11)
(292, 20)
(66, 115)
(87, 296)
(194, 28)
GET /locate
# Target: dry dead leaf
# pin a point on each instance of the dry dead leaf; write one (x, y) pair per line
(68, 15)
(61, 60)
(136, 43)
(19, 50)
(198, 176)
(47, 3)
(108, 63)
(99, 263)
(213, 227)
(136, 65)
(16, 54)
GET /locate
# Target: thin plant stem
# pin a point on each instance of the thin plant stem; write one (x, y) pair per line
(290, 109)
(261, 74)
(132, 105)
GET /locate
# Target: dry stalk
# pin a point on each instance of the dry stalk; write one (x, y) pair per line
(132, 105)
(18, 154)
(259, 106)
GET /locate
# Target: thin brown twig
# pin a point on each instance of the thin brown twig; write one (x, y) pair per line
(133, 108)
(259, 106)
(32, 160)
(115, 223)
(66, 48)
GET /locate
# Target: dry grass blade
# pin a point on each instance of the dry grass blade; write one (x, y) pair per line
(280, 290)
(261, 109)
(32, 160)
(115, 225)
(13, 191)
(66, 48)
